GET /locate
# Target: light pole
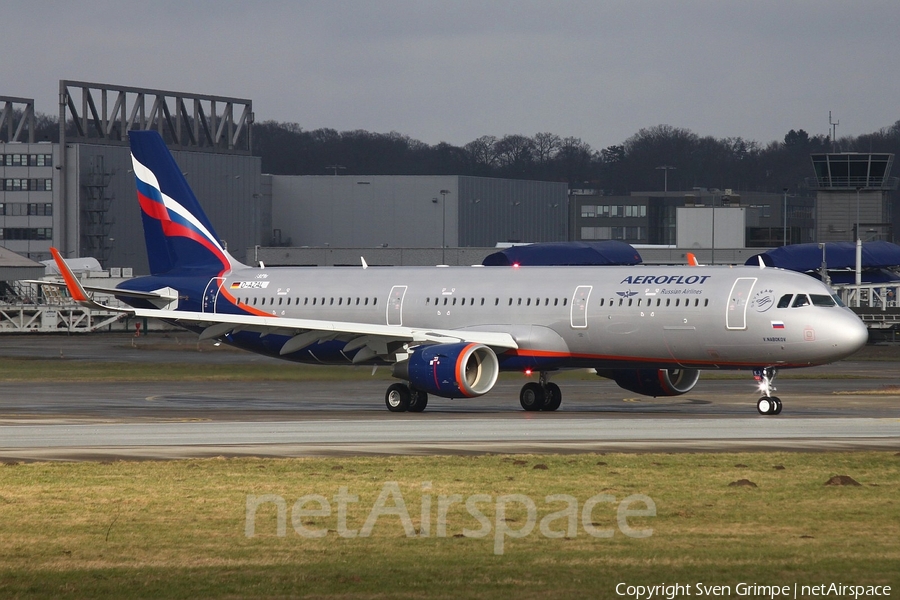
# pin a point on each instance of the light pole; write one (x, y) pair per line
(858, 250)
(784, 243)
(665, 169)
(443, 194)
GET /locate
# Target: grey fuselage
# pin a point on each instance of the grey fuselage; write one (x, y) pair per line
(563, 317)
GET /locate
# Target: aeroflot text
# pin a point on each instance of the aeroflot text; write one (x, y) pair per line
(390, 503)
(754, 590)
(661, 279)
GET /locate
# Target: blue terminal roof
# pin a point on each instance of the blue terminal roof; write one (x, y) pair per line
(609, 252)
(838, 255)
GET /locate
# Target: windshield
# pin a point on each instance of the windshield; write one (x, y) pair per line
(821, 300)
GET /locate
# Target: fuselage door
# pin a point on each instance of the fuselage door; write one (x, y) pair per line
(211, 294)
(395, 305)
(578, 312)
(738, 300)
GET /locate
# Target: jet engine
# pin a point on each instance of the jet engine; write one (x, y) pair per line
(654, 382)
(451, 370)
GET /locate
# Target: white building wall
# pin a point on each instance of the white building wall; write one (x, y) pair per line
(708, 227)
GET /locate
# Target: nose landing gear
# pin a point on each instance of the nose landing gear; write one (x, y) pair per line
(768, 404)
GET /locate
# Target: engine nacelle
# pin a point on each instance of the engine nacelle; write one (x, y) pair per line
(451, 370)
(654, 382)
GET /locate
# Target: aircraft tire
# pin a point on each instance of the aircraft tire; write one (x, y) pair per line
(418, 400)
(397, 398)
(532, 396)
(553, 397)
(769, 405)
(777, 401)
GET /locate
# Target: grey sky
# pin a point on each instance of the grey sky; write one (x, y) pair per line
(453, 71)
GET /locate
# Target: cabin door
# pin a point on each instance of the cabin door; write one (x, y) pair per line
(211, 294)
(738, 300)
(578, 312)
(395, 305)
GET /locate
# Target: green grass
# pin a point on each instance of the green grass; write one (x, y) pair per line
(177, 529)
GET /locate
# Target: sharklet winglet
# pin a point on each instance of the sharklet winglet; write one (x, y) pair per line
(75, 288)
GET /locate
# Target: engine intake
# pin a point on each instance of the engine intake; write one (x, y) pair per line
(451, 370)
(654, 382)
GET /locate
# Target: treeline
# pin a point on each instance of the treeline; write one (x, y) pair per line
(690, 160)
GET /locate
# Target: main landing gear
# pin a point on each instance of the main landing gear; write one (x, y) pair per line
(768, 404)
(542, 395)
(401, 398)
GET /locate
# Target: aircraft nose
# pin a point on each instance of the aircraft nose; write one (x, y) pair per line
(853, 334)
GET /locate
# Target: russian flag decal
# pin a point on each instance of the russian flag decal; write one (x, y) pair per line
(777, 324)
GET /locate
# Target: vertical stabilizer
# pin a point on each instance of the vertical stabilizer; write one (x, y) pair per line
(178, 234)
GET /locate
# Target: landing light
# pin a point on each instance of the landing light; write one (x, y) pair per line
(528, 372)
(515, 265)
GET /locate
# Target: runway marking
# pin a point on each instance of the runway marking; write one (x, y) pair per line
(631, 400)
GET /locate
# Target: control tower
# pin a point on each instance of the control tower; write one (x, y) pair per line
(853, 199)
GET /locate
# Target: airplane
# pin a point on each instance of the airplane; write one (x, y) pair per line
(450, 331)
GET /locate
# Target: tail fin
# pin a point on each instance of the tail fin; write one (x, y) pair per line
(179, 237)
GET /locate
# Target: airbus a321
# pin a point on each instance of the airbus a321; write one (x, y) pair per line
(449, 331)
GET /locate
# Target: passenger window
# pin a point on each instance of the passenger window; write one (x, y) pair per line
(565, 301)
(821, 300)
(677, 301)
(785, 301)
(528, 302)
(630, 301)
(696, 301)
(800, 300)
(374, 301)
(668, 301)
(706, 302)
(639, 301)
(445, 301)
(556, 302)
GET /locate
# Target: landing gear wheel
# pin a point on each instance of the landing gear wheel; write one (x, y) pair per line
(532, 396)
(397, 398)
(418, 400)
(553, 397)
(769, 405)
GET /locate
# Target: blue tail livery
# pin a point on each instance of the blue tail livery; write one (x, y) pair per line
(178, 235)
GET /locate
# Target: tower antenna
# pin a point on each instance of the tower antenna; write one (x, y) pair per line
(833, 125)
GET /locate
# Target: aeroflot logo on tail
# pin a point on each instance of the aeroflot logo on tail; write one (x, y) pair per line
(676, 279)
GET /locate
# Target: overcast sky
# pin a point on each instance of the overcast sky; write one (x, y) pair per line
(454, 71)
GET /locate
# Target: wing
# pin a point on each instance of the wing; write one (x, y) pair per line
(372, 340)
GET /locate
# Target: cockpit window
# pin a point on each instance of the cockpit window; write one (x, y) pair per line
(785, 301)
(838, 300)
(821, 300)
(800, 300)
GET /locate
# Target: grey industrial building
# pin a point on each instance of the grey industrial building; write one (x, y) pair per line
(651, 217)
(415, 211)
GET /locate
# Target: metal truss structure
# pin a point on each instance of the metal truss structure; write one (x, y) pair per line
(10, 129)
(102, 113)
